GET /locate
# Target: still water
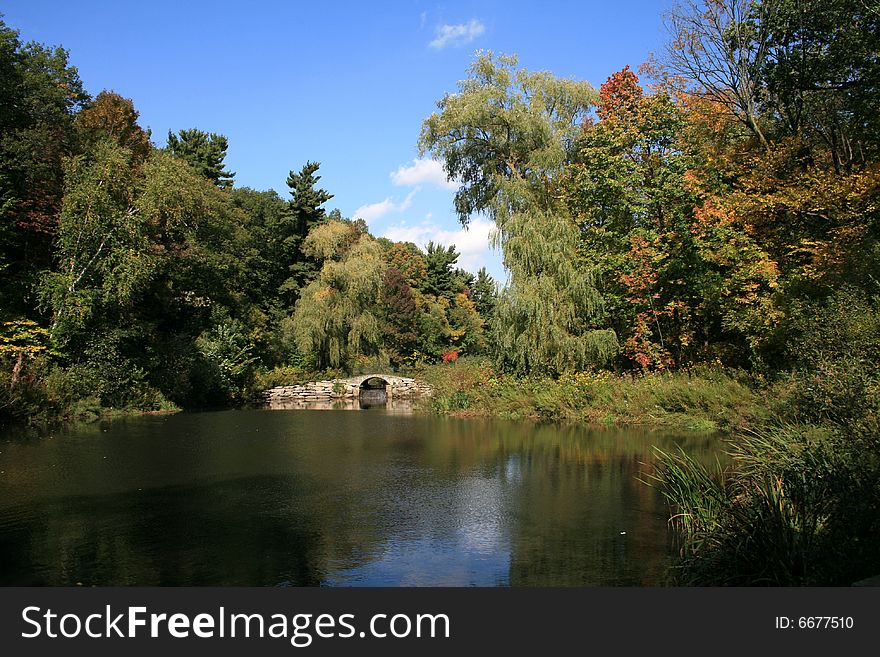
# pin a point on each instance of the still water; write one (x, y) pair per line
(334, 498)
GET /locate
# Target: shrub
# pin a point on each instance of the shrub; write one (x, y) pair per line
(227, 352)
(799, 507)
(837, 361)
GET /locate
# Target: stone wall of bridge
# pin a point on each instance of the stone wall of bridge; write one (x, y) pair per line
(396, 387)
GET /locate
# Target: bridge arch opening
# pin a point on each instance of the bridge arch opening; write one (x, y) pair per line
(373, 392)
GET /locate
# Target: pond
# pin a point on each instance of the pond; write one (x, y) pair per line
(372, 497)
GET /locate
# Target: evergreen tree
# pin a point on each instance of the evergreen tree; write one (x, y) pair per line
(303, 213)
(204, 152)
(484, 293)
(441, 279)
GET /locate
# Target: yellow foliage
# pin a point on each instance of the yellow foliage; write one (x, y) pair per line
(22, 336)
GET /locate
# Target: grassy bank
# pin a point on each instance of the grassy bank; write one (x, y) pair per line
(705, 400)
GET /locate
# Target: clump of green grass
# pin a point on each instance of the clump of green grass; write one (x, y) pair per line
(798, 506)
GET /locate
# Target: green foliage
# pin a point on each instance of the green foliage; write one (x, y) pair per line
(303, 213)
(625, 188)
(204, 152)
(41, 93)
(23, 395)
(101, 240)
(284, 375)
(142, 257)
(797, 508)
(440, 278)
(506, 135)
(836, 351)
(110, 116)
(306, 201)
(409, 260)
(107, 372)
(504, 131)
(730, 216)
(399, 313)
(705, 400)
(435, 332)
(126, 238)
(264, 261)
(335, 316)
(484, 293)
(466, 326)
(330, 241)
(141, 248)
(545, 319)
(227, 350)
(820, 79)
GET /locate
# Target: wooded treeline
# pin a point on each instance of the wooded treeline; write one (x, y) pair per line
(692, 222)
(706, 218)
(141, 277)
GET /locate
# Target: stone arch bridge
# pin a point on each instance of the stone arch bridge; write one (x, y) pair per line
(395, 387)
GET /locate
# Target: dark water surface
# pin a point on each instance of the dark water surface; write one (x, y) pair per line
(301, 497)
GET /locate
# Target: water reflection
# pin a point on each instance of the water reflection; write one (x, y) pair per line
(372, 397)
(379, 400)
(309, 497)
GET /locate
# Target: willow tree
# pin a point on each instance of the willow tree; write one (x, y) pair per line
(336, 317)
(506, 137)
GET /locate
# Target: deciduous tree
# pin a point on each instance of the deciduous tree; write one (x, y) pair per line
(111, 115)
(506, 135)
(336, 315)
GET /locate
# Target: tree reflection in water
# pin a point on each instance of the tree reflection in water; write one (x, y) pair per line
(314, 497)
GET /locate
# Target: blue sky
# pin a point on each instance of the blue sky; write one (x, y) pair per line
(346, 84)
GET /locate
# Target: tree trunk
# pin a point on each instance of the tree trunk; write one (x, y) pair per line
(16, 369)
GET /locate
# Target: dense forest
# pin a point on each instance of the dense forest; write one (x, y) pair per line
(120, 257)
(697, 238)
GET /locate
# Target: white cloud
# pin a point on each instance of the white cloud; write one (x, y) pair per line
(423, 171)
(457, 35)
(373, 211)
(471, 242)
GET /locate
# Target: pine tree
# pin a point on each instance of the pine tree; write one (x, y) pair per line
(303, 213)
(441, 279)
(484, 293)
(204, 152)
